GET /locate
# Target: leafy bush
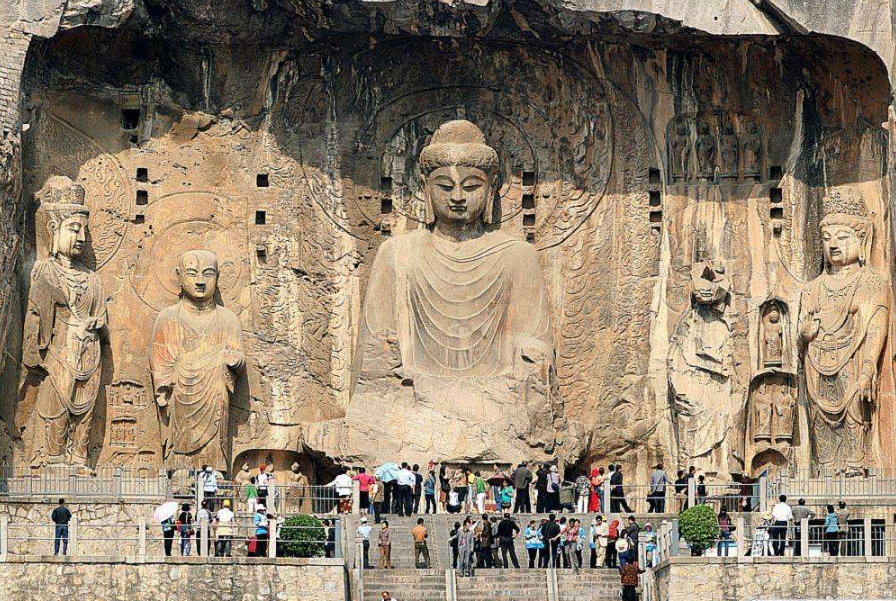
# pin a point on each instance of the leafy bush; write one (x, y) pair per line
(699, 526)
(301, 536)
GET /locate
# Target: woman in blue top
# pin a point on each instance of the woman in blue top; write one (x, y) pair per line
(831, 530)
(534, 542)
(261, 532)
(429, 490)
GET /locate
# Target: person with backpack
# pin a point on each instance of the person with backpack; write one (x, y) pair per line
(612, 537)
(185, 528)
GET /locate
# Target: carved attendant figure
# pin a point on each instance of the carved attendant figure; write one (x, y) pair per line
(197, 352)
(464, 302)
(773, 335)
(66, 314)
(706, 150)
(681, 151)
(844, 317)
(752, 150)
(729, 150)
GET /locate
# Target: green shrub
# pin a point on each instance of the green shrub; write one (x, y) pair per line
(301, 536)
(699, 526)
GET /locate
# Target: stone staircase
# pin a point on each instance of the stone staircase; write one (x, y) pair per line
(489, 585)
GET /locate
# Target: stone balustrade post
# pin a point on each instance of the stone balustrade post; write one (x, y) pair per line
(763, 494)
(605, 493)
(163, 484)
(4, 537)
(72, 483)
(692, 492)
(804, 537)
(356, 497)
(740, 537)
(117, 492)
(274, 534)
(141, 538)
(73, 537)
(869, 549)
(673, 547)
(203, 536)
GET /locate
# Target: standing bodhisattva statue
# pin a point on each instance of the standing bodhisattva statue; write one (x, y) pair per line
(196, 355)
(66, 315)
(844, 318)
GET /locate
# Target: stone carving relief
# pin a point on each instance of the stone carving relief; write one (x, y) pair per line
(65, 320)
(701, 144)
(455, 329)
(843, 325)
(701, 370)
(774, 334)
(196, 356)
(773, 410)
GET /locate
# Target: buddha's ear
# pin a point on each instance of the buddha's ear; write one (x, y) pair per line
(429, 216)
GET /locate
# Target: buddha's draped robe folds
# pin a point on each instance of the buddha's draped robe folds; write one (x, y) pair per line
(459, 309)
(190, 360)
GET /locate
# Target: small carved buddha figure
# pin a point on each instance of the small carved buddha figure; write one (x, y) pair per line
(751, 143)
(297, 492)
(844, 319)
(681, 151)
(196, 355)
(773, 338)
(706, 149)
(66, 314)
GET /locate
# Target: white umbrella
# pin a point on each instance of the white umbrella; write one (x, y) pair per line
(165, 511)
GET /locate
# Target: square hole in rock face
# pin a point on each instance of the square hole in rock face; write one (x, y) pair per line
(530, 237)
(653, 175)
(142, 174)
(775, 172)
(528, 178)
(386, 184)
(777, 212)
(142, 197)
(130, 118)
(776, 195)
(528, 220)
(656, 216)
(385, 205)
(138, 219)
(528, 201)
(656, 198)
(262, 181)
(261, 217)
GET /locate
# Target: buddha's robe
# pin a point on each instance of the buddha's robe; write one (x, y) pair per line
(473, 309)
(854, 320)
(66, 311)
(190, 361)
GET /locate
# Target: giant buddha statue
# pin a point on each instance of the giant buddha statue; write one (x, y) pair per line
(455, 356)
(844, 320)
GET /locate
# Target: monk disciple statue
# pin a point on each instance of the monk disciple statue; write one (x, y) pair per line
(66, 315)
(456, 315)
(844, 319)
(196, 355)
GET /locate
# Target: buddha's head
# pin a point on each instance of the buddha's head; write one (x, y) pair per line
(774, 316)
(294, 467)
(709, 282)
(846, 230)
(62, 205)
(460, 174)
(198, 275)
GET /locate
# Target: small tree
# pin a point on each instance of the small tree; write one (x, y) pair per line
(301, 536)
(699, 526)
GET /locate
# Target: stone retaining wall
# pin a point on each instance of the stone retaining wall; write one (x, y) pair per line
(745, 578)
(108, 579)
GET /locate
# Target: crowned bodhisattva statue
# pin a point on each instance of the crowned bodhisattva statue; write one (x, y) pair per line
(65, 318)
(843, 325)
(196, 356)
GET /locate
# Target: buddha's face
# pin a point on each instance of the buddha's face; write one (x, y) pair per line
(459, 194)
(71, 236)
(198, 276)
(709, 282)
(774, 317)
(842, 245)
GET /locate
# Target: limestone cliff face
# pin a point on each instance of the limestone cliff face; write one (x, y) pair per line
(635, 141)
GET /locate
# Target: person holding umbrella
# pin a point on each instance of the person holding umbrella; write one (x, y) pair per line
(164, 515)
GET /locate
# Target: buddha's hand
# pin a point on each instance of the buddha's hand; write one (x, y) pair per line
(234, 359)
(533, 357)
(810, 326)
(163, 395)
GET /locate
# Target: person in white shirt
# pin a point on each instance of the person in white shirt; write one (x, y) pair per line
(202, 514)
(363, 535)
(782, 515)
(261, 481)
(343, 485)
(224, 530)
(406, 482)
(209, 479)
